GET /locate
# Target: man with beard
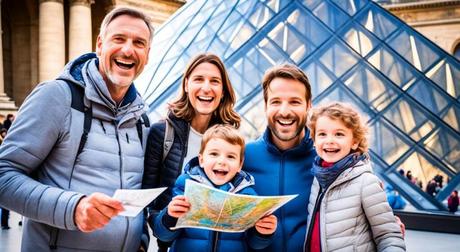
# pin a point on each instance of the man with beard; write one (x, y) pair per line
(281, 159)
(62, 186)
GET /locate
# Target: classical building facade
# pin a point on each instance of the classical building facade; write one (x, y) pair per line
(40, 36)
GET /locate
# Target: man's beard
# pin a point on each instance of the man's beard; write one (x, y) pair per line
(283, 137)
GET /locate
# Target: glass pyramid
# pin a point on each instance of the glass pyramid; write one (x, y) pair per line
(353, 51)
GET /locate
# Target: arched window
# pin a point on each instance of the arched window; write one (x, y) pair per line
(457, 51)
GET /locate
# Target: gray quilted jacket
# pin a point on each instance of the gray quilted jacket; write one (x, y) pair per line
(37, 175)
(355, 214)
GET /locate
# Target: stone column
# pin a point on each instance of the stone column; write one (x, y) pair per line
(51, 42)
(6, 104)
(80, 38)
(2, 81)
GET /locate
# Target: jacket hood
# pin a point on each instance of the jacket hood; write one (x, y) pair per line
(241, 180)
(84, 71)
(298, 150)
(73, 69)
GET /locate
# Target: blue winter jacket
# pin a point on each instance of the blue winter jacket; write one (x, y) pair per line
(205, 240)
(283, 173)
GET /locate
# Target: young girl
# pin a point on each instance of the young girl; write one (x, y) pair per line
(348, 209)
(218, 165)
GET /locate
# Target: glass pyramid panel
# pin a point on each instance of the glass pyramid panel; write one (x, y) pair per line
(352, 51)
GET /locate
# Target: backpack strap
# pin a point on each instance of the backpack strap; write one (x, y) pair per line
(78, 94)
(146, 122)
(169, 138)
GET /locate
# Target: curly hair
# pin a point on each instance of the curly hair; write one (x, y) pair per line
(348, 116)
(225, 113)
(225, 132)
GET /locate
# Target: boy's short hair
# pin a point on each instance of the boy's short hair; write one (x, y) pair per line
(286, 71)
(347, 115)
(225, 132)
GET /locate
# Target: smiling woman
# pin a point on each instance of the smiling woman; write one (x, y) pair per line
(206, 98)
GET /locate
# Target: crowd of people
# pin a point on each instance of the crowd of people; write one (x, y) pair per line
(5, 124)
(94, 139)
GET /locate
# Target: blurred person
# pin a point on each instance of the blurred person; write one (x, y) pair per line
(394, 198)
(453, 201)
(8, 121)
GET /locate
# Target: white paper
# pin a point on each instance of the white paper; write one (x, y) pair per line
(135, 200)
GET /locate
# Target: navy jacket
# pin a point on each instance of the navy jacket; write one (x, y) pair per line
(206, 240)
(284, 173)
(159, 173)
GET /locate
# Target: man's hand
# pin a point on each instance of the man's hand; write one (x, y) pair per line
(267, 225)
(95, 211)
(178, 206)
(401, 225)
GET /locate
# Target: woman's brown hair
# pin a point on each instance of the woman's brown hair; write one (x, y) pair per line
(224, 114)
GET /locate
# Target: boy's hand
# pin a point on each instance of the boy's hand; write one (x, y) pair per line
(178, 206)
(267, 225)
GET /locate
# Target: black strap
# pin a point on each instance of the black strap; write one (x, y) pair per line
(143, 120)
(169, 138)
(78, 94)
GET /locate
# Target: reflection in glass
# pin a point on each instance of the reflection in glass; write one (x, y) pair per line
(428, 96)
(359, 40)
(413, 49)
(369, 87)
(254, 120)
(260, 16)
(392, 67)
(388, 145)
(338, 58)
(319, 77)
(288, 41)
(351, 6)
(377, 23)
(446, 147)
(330, 15)
(409, 119)
(447, 76)
(452, 117)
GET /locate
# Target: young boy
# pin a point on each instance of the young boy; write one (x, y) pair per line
(348, 207)
(218, 165)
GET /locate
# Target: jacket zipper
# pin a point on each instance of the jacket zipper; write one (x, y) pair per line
(115, 124)
(215, 240)
(281, 190)
(319, 199)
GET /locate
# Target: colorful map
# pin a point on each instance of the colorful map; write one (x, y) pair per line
(223, 211)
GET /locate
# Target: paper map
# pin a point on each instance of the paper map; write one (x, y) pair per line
(222, 211)
(135, 200)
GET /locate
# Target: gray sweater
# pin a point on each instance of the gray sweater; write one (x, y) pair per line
(37, 175)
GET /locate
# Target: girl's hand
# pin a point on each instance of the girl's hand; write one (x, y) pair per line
(178, 206)
(267, 225)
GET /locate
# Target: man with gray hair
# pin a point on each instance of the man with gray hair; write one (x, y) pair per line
(65, 154)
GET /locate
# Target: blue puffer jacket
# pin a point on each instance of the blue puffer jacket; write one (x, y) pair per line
(283, 173)
(205, 240)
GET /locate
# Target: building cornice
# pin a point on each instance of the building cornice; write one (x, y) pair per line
(421, 5)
